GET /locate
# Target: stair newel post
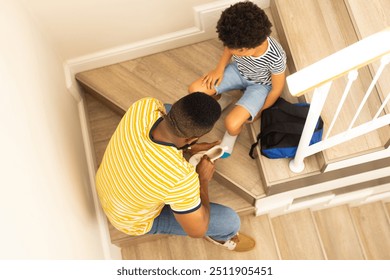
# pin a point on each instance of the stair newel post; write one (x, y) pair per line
(320, 94)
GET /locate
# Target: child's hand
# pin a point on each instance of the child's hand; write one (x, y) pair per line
(213, 78)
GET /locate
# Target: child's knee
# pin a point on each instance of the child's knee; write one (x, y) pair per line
(199, 86)
(193, 87)
(233, 125)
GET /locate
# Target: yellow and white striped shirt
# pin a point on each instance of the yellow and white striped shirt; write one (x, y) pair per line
(138, 176)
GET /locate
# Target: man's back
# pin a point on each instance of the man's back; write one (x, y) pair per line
(138, 175)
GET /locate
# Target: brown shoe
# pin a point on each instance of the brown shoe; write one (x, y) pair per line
(238, 243)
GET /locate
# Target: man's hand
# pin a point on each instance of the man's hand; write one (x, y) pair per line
(198, 147)
(205, 169)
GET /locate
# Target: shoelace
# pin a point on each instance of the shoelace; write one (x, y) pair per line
(232, 242)
(235, 239)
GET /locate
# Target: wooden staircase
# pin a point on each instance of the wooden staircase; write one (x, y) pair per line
(309, 31)
(339, 233)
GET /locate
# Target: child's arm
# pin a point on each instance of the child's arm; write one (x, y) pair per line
(215, 76)
(278, 81)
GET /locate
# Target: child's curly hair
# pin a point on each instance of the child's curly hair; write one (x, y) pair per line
(243, 25)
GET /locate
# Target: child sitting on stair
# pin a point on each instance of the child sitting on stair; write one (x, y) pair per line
(258, 67)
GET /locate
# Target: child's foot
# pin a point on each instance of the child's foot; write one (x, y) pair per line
(228, 141)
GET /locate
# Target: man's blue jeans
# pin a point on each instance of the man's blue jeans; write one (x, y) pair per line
(224, 223)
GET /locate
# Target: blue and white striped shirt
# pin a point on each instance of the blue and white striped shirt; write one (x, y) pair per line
(259, 69)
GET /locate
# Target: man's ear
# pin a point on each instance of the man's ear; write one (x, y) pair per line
(192, 140)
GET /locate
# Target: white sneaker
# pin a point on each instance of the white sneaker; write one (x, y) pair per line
(214, 153)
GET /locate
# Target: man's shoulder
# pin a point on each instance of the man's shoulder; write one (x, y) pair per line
(146, 101)
(145, 105)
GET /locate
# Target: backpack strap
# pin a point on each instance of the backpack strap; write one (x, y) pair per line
(299, 110)
(254, 145)
(285, 128)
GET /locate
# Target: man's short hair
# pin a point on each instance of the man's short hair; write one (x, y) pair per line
(243, 25)
(193, 115)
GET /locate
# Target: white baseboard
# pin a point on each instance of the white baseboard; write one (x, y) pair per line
(385, 153)
(280, 204)
(110, 251)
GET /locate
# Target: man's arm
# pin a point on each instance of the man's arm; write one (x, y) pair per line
(196, 223)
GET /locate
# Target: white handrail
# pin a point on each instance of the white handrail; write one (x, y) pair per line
(319, 77)
(352, 57)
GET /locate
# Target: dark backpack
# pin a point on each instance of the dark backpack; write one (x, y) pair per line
(281, 129)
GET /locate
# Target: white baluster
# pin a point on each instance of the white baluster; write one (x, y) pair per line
(384, 61)
(352, 76)
(383, 106)
(319, 97)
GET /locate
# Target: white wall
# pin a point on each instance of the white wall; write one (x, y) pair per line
(82, 27)
(46, 209)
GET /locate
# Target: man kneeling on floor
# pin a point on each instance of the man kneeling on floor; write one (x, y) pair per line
(145, 184)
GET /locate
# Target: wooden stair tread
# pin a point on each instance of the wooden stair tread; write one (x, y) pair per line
(312, 31)
(295, 243)
(338, 235)
(186, 248)
(164, 75)
(291, 236)
(387, 206)
(369, 17)
(373, 228)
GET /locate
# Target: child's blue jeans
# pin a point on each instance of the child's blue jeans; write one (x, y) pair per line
(254, 94)
(224, 223)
